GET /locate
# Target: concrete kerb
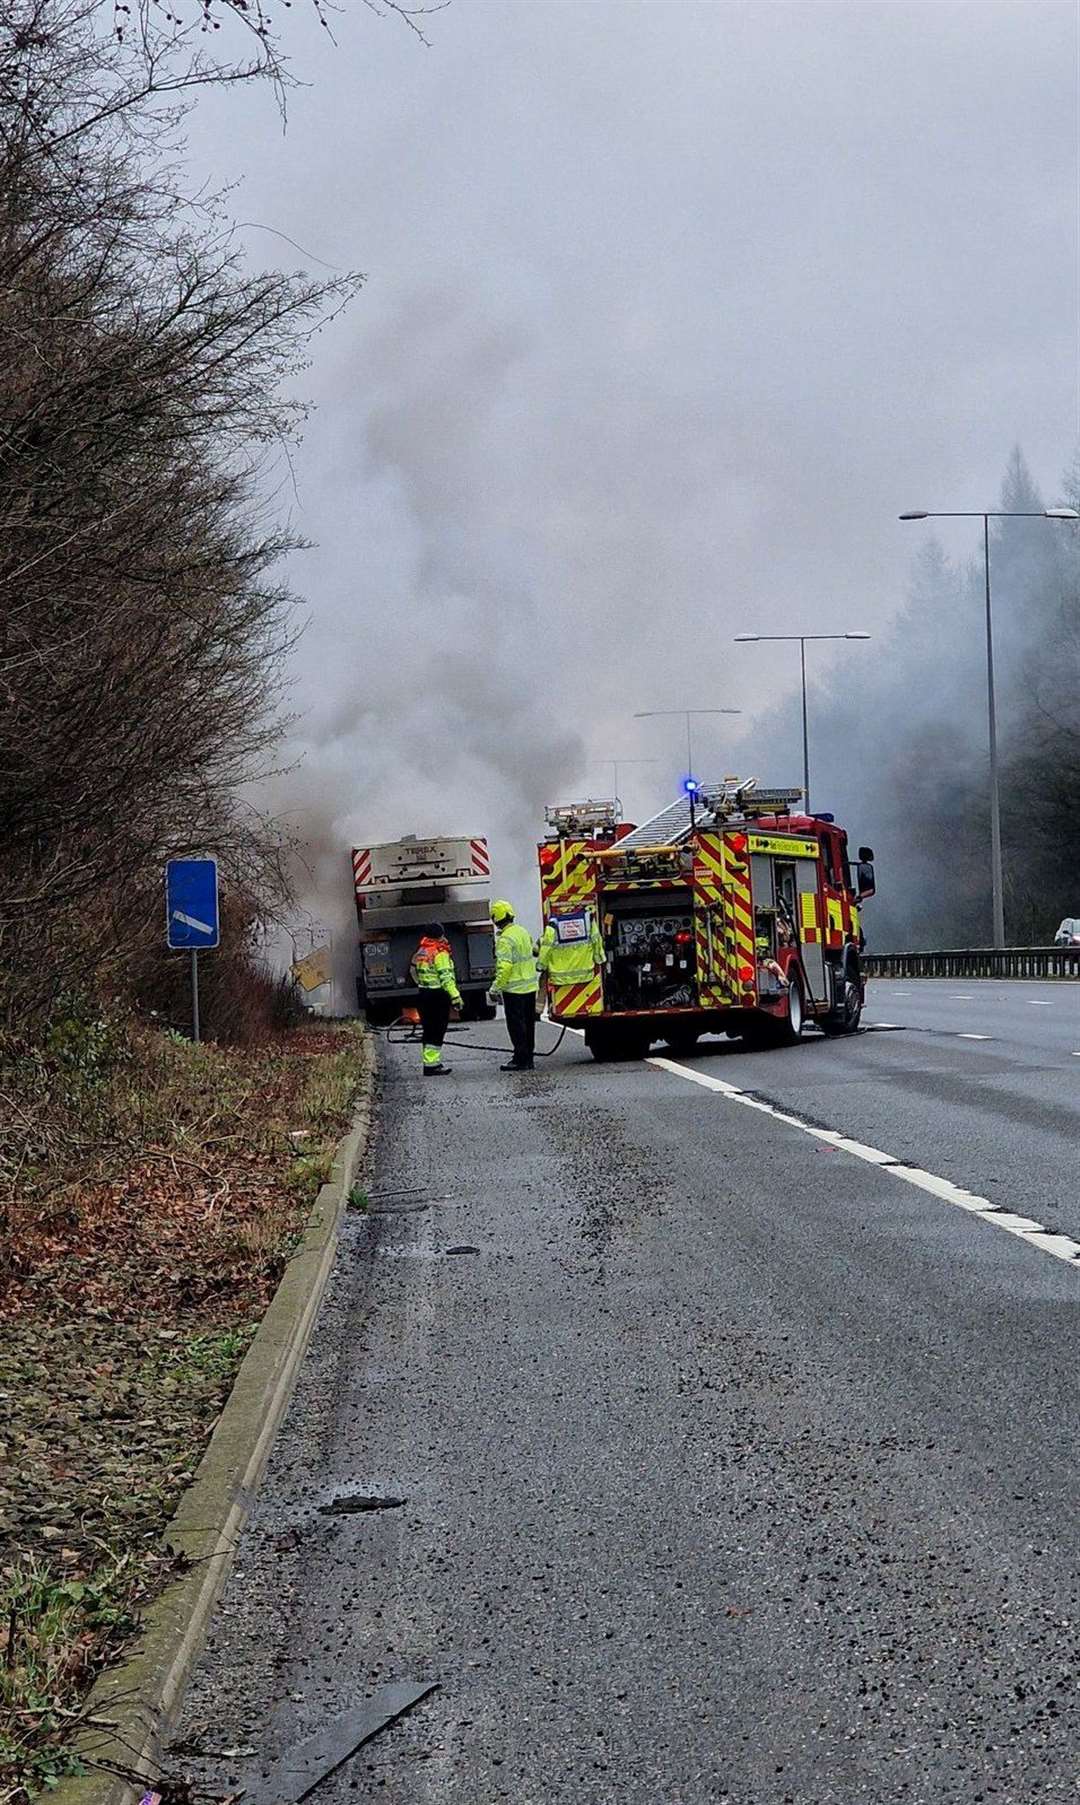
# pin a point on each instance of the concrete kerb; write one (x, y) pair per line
(132, 1708)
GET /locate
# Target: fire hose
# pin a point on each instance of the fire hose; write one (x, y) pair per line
(413, 1034)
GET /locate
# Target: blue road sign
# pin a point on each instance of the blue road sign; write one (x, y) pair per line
(191, 903)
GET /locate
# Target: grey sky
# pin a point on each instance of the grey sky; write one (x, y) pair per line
(671, 309)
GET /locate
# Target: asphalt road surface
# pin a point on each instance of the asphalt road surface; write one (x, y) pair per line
(732, 1405)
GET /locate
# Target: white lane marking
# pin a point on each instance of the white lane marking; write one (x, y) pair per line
(1025, 1228)
(883, 1024)
(973, 1037)
(1040, 1003)
(959, 996)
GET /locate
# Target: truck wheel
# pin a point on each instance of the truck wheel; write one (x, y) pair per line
(788, 1031)
(846, 1018)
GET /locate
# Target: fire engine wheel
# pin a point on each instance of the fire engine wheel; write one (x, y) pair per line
(788, 1031)
(845, 1020)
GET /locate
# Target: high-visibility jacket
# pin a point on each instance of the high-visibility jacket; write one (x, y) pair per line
(573, 963)
(515, 966)
(433, 968)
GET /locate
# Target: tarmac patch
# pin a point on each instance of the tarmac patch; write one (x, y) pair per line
(349, 1503)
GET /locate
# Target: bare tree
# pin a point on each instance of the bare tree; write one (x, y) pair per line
(142, 388)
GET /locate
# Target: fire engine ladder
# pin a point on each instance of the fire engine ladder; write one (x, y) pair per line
(714, 805)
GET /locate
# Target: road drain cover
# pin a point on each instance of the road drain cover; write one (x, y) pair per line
(356, 1501)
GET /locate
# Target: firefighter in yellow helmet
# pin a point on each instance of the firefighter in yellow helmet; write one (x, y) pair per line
(517, 982)
(434, 975)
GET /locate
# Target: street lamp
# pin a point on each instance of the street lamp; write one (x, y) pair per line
(754, 639)
(617, 763)
(986, 515)
(648, 714)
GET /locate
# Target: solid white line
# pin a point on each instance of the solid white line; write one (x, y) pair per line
(1062, 1247)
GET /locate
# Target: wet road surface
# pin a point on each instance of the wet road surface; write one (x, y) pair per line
(730, 1467)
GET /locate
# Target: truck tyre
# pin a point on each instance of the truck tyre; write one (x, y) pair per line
(787, 1032)
(380, 1015)
(845, 1018)
(477, 1008)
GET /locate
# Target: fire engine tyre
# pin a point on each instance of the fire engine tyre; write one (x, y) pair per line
(845, 1019)
(787, 1032)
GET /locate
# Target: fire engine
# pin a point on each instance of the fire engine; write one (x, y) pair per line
(727, 912)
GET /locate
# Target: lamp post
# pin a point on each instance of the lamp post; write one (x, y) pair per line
(986, 515)
(756, 638)
(617, 764)
(648, 714)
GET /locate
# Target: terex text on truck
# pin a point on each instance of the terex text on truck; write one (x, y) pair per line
(403, 885)
(727, 912)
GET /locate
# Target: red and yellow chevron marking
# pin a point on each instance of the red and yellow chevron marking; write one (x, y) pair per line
(835, 920)
(566, 873)
(809, 932)
(576, 999)
(740, 915)
(709, 875)
(713, 963)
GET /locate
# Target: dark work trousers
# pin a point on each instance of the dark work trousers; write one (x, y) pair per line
(521, 1026)
(434, 1016)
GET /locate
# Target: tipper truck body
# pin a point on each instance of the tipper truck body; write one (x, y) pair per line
(403, 885)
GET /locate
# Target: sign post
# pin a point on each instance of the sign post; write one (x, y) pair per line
(195, 1035)
(192, 921)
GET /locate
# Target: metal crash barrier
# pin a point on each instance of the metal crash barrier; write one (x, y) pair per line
(978, 962)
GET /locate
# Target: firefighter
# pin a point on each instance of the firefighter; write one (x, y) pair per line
(573, 961)
(433, 973)
(516, 982)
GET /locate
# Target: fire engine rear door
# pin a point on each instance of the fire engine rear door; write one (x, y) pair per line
(810, 928)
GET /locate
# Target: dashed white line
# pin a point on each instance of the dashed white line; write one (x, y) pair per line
(1040, 1003)
(1025, 1228)
(973, 1037)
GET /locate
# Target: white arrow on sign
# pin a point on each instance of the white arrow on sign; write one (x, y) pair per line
(190, 921)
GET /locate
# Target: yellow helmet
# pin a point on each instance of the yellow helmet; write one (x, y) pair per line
(501, 911)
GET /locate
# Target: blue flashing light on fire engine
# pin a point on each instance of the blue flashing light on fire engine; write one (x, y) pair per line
(690, 786)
